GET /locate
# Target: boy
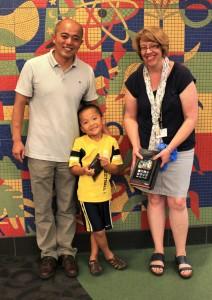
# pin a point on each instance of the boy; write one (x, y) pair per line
(94, 190)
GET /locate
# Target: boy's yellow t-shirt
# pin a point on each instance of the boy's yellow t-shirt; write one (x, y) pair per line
(83, 152)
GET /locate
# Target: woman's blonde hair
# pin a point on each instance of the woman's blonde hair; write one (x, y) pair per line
(151, 34)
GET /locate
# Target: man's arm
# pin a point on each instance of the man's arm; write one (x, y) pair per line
(18, 149)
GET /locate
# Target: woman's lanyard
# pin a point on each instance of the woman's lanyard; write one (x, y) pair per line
(163, 131)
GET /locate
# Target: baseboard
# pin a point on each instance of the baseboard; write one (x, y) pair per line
(134, 239)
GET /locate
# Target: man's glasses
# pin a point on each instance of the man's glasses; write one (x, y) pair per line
(152, 47)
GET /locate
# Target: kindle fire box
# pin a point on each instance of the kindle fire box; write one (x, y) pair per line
(145, 171)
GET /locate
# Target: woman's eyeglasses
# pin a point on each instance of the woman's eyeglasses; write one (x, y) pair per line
(151, 47)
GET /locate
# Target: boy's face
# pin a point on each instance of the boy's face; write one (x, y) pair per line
(91, 123)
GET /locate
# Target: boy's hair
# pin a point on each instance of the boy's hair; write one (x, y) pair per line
(88, 106)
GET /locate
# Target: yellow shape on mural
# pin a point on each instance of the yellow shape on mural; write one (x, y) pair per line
(189, 55)
(173, 25)
(14, 185)
(28, 203)
(205, 112)
(52, 2)
(114, 111)
(99, 82)
(19, 27)
(7, 112)
(92, 32)
(4, 49)
(175, 28)
(117, 204)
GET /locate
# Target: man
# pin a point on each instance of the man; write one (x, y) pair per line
(53, 84)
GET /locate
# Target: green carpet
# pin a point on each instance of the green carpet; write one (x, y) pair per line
(137, 282)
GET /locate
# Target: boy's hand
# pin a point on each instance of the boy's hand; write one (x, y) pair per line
(104, 161)
(88, 172)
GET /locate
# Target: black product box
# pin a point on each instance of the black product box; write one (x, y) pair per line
(145, 171)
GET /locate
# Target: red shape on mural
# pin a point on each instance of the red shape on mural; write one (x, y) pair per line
(144, 221)
(25, 175)
(125, 145)
(90, 57)
(40, 3)
(116, 217)
(196, 7)
(8, 83)
(70, 3)
(1, 111)
(203, 150)
(194, 203)
(44, 48)
(7, 228)
(7, 56)
(118, 51)
(79, 223)
(177, 53)
(123, 4)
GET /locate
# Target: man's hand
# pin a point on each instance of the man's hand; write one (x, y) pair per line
(18, 150)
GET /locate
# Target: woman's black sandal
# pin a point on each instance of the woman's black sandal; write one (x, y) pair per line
(154, 257)
(183, 260)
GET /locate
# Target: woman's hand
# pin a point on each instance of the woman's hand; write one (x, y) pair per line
(136, 152)
(164, 155)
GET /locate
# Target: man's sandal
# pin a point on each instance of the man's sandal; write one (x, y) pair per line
(152, 266)
(94, 267)
(117, 263)
(183, 260)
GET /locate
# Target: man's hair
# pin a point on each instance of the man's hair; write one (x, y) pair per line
(86, 106)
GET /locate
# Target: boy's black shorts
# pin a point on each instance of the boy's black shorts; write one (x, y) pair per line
(96, 216)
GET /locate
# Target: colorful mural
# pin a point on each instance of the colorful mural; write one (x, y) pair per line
(25, 31)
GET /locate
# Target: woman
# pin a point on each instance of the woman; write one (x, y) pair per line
(161, 106)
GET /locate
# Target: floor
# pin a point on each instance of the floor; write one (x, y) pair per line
(19, 280)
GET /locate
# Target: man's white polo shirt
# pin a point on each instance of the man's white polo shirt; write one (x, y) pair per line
(54, 97)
